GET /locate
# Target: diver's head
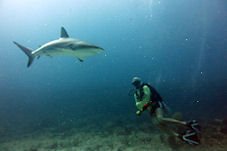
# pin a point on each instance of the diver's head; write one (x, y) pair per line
(136, 81)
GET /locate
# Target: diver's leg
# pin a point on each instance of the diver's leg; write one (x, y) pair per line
(167, 130)
(189, 137)
(163, 120)
(164, 128)
(193, 124)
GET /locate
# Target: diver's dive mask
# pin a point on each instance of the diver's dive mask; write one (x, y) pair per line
(136, 84)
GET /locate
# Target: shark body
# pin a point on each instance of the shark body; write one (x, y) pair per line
(64, 46)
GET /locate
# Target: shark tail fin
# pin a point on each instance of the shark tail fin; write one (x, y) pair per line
(27, 51)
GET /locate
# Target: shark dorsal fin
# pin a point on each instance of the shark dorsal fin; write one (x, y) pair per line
(64, 33)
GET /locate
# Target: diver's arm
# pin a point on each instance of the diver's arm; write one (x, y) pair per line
(147, 94)
(145, 100)
(135, 98)
(147, 97)
(138, 104)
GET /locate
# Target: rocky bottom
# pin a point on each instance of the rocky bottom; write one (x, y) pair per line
(111, 137)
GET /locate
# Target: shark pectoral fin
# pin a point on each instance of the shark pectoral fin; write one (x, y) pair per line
(64, 33)
(81, 59)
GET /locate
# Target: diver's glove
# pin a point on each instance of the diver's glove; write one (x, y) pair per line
(138, 112)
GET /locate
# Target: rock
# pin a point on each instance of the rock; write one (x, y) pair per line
(224, 130)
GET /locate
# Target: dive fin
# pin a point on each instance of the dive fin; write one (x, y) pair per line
(64, 33)
(190, 137)
(81, 59)
(194, 125)
(27, 51)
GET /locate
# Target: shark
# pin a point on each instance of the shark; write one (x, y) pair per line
(64, 46)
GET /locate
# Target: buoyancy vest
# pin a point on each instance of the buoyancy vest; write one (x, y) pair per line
(155, 98)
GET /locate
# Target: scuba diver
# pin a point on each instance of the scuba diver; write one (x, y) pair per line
(147, 98)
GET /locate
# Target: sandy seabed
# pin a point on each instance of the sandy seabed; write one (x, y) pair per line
(113, 137)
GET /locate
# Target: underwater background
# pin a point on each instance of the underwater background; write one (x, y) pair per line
(179, 47)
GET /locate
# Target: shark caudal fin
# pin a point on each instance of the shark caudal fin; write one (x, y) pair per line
(27, 51)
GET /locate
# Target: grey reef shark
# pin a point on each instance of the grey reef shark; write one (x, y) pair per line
(64, 46)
